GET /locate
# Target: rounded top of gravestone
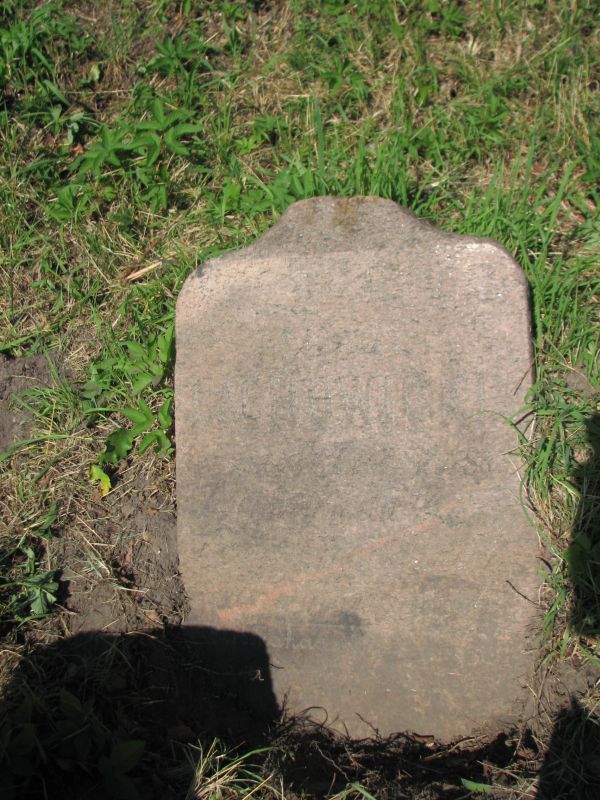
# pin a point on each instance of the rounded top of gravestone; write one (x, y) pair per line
(327, 224)
(338, 224)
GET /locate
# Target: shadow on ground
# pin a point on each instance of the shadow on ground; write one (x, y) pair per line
(78, 711)
(571, 767)
(106, 694)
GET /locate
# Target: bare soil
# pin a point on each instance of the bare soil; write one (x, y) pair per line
(16, 376)
(143, 587)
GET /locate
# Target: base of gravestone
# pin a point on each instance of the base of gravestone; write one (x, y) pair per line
(348, 486)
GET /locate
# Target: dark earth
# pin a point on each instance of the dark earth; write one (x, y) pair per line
(16, 376)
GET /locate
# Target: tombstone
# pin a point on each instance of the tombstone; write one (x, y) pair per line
(348, 485)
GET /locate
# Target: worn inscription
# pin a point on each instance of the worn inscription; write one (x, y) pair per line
(348, 489)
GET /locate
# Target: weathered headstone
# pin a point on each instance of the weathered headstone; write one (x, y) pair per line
(346, 488)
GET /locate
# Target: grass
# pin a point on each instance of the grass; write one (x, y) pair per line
(139, 138)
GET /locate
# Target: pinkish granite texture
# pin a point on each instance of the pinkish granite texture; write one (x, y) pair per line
(346, 488)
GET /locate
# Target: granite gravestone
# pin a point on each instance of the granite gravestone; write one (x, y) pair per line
(347, 484)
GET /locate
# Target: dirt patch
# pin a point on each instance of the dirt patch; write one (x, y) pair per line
(131, 542)
(19, 375)
(121, 568)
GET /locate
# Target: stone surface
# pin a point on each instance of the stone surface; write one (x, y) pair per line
(346, 489)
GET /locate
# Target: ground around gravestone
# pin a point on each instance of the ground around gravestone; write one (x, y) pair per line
(166, 685)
